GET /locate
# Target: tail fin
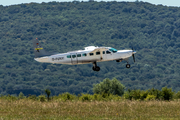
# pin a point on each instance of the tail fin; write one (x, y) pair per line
(38, 49)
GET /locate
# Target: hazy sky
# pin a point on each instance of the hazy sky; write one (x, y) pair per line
(163, 2)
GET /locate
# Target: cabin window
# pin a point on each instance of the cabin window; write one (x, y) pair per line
(97, 53)
(103, 52)
(84, 54)
(91, 54)
(78, 55)
(108, 52)
(73, 56)
(68, 56)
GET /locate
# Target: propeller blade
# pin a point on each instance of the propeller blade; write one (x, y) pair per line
(133, 57)
(133, 53)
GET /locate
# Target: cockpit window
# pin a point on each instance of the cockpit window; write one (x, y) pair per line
(113, 50)
(108, 52)
(98, 53)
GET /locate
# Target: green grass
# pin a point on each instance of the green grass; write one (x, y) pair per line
(28, 109)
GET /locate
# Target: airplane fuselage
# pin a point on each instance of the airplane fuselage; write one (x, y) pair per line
(87, 56)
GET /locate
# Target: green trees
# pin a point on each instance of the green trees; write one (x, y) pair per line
(151, 94)
(109, 87)
(167, 93)
(67, 26)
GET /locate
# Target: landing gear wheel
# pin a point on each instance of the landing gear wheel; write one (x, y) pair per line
(97, 68)
(128, 66)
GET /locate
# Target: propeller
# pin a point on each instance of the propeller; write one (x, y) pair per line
(133, 53)
(133, 57)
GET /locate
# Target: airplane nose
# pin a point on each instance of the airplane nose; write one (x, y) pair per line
(134, 52)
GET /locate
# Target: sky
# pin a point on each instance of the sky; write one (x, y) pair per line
(156, 2)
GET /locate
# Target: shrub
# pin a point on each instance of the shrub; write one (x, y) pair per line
(99, 97)
(109, 87)
(66, 96)
(150, 97)
(143, 95)
(21, 95)
(9, 97)
(128, 95)
(32, 97)
(115, 97)
(42, 98)
(167, 94)
(135, 94)
(177, 95)
(86, 97)
(156, 93)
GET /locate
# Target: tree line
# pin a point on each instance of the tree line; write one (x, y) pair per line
(107, 90)
(153, 30)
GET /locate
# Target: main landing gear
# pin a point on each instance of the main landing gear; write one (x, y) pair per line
(95, 67)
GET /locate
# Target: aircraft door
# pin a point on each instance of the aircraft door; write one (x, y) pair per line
(74, 59)
(103, 55)
(107, 55)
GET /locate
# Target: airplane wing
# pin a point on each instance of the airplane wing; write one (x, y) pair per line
(99, 49)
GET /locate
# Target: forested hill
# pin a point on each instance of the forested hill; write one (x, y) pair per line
(154, 32)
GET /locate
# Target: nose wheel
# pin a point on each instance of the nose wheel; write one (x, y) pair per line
(128, 65)
(95, 67)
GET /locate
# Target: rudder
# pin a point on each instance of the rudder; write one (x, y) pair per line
(38, 49)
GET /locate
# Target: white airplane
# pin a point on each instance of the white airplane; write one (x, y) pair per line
(91, 54)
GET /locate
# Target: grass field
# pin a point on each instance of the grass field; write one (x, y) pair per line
(29, 109)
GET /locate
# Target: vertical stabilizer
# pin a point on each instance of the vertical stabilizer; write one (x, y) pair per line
(38, 49)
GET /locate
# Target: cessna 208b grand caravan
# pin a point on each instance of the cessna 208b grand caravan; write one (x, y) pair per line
(91, 54)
